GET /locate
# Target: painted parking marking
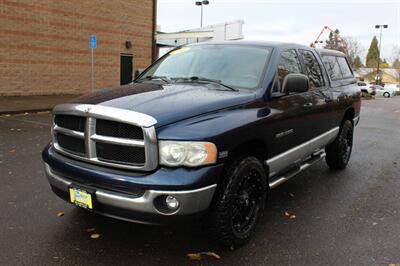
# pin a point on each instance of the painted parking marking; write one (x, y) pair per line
(26, 120)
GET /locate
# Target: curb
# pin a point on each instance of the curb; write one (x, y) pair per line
(15, 112)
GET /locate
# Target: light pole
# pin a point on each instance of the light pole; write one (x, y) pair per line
(379, 51)
(201, 4)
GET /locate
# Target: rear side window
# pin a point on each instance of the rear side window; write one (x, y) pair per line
(289, 63)
(332, 67)
(344, 67)
(313, 69)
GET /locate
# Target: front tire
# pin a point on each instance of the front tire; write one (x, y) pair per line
(239, 202)
(386, 95)
(339, 151)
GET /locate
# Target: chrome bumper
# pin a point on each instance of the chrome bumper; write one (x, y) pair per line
(190, 201)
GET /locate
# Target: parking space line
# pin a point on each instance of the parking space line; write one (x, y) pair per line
(27, 121)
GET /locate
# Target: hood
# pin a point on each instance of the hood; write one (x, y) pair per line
(168, 103)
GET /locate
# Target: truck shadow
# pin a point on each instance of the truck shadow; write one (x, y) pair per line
(147, 244)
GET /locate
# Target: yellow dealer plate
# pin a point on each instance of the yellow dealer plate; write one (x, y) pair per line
(81, 198)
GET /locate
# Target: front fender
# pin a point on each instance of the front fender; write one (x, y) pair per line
(227, 129)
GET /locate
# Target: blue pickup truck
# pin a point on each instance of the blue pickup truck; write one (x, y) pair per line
(205, 132)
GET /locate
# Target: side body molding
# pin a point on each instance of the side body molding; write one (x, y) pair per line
(298, 153)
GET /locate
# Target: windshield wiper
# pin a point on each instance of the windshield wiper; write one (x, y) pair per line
(203, 79)
(163, 78)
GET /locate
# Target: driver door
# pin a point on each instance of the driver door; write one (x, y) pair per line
(290, 123)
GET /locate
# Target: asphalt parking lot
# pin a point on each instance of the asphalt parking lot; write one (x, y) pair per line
(341, 218)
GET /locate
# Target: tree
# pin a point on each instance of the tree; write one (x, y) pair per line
(357, 62)
(349, 46)
(396, 57)
(352, 48)
(396, 64)
(335, 42)
(372, 55)
(396, 61)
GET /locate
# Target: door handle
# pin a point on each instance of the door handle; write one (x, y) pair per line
(307, 105)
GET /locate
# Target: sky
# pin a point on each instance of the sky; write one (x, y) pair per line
(291, 21)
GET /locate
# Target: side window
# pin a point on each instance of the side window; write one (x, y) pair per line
(332, 67)
(289, 63)
(344, 67)
(313, 69)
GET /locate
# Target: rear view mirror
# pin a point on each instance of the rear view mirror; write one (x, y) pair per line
(295, 83)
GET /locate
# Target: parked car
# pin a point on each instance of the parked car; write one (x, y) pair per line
(206, 131)
(366, 88)
(394, 87)
(383, 91)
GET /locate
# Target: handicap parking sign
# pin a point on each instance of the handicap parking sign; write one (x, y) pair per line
(92, 41)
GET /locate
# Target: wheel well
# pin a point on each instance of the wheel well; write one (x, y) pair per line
(254, 148)
(349, 115)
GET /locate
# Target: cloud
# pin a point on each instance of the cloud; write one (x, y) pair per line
(291, 21)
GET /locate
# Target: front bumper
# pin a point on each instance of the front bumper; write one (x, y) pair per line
(191, 201)
(135, 196)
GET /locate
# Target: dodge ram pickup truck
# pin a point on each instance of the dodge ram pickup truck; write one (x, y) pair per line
(206, 131)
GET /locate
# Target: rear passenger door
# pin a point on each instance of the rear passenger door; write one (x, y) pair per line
(323, 113)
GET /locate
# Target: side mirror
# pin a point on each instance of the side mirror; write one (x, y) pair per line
(138, 72)
(295, 83)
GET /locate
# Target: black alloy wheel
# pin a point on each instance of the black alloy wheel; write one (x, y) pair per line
(339, 151)
(238, 203)
(346, 144)
(247, 202)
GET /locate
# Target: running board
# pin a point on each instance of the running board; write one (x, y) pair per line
(317, 156)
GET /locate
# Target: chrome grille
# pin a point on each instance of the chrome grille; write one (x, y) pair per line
(106, 136)
(71, 144)
(71, 122)
(120, 154)
(116, 129)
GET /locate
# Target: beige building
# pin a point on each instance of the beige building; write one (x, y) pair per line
(389, 75)
(44, 45)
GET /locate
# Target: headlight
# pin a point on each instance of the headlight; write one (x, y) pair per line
(188, 153)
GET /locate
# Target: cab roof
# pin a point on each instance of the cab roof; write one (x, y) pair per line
(280, 45)
(330, 52)
(254, 43)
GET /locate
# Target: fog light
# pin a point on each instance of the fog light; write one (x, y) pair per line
(172, 202)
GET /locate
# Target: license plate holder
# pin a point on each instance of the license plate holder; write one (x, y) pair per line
(81, 197)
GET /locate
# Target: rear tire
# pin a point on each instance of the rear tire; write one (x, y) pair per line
(238, 203)
(339, 151)
(386, 95)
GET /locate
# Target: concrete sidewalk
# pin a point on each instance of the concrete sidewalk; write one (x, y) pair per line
(22, 104)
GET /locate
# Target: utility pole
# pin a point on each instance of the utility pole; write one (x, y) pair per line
(379, 51)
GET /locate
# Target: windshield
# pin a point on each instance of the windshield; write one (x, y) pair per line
(233, 65)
